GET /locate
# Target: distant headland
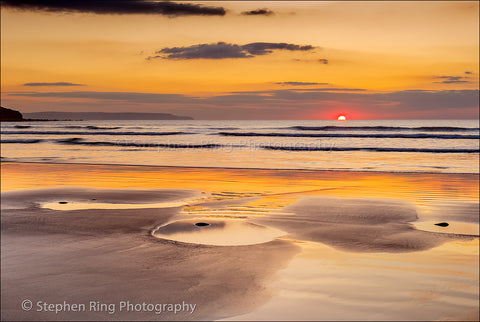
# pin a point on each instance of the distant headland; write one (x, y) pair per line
(9, 115)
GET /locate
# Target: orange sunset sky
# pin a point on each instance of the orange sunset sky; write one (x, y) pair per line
(243, 59)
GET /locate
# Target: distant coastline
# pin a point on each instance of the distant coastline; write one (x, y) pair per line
(10, 115)
(64, 116)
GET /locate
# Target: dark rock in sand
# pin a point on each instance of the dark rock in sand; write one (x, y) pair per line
(63, 202)
(202, 224)
(442, 224)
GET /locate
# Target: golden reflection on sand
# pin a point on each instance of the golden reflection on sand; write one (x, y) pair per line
(343, 184)
(220, 232)
(103, 205)
(273, 189)
(437, 281)
(453, 227)
(329, 284)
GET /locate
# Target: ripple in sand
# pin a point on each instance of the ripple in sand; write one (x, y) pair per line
(225, 232)
(461, 228)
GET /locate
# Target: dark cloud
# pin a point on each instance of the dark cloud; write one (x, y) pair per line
(300, 91)
(468, 73)
(258, 12)
(430, 104)
(452, 79)
(222, 50)
(289, 103)
(219, 50)
(320, 60)
(299, 83)
(331, 89)
(117, 96)
(165, 8)
(433, 104)
(53, 84)
(263, 48)
(401, 104)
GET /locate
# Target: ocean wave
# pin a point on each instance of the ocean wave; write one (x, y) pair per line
(373, 149)
(354, 135)
(80, 141)
(92, 127)
(224, 128)
(21, 141)
(385, 128)
(93, 133)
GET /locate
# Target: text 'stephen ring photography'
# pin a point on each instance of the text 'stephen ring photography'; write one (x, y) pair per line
(239, 160)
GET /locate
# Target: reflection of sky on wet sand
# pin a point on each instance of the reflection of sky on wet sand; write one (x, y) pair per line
(322, 283)
(276, 188)
(224, 232)
(73, 205)
(419, 187)
(461, 228)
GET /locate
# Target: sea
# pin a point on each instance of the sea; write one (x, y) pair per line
(446, 146)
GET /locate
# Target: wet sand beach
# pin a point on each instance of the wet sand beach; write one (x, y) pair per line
(238, 244)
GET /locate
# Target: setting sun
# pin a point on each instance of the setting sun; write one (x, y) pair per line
(342, 118)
